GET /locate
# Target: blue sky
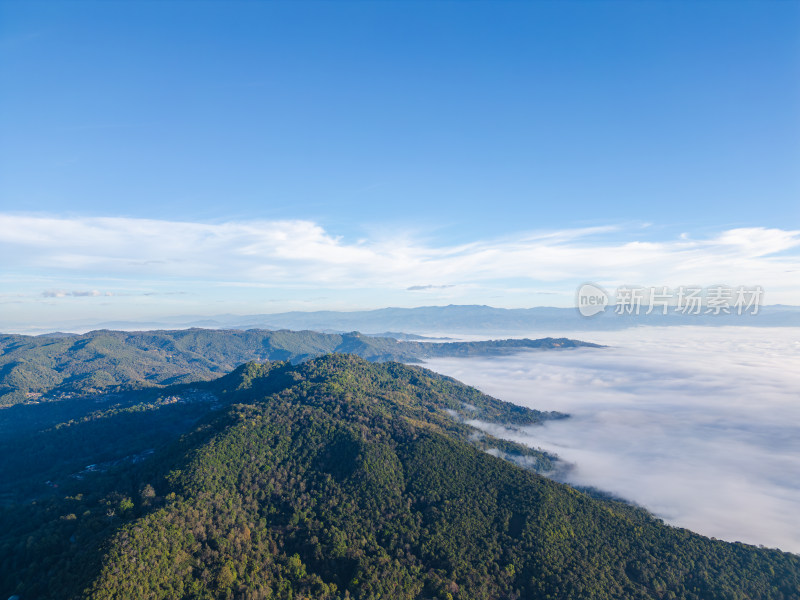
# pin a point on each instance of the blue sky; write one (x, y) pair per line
(209, 157)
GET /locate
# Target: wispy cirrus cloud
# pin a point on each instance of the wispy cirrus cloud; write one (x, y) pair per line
(297, 252)
(425, 288)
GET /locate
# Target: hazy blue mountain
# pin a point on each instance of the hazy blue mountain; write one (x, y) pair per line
(478, 319)
(455, 319)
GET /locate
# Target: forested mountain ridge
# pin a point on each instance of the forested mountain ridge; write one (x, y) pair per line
(70, 467)
(58, 365)
(49, 444)
(339, 478)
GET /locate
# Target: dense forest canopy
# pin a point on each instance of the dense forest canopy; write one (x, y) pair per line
(34, 368)
(341, 478)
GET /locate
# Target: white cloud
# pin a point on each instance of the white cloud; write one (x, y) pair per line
(700, 426)
(74, 293)
(288, 253)
(428, 287)
(55, 293)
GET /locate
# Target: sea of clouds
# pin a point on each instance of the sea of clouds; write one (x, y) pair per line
(699, 425)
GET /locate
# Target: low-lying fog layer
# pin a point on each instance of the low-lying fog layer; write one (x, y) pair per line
(699, 425)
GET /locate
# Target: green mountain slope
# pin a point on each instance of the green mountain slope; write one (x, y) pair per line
(340, 478)
(62, 365)
(67, 465)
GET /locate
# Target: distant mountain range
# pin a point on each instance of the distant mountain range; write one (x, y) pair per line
(33, 368)
(455, 319)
